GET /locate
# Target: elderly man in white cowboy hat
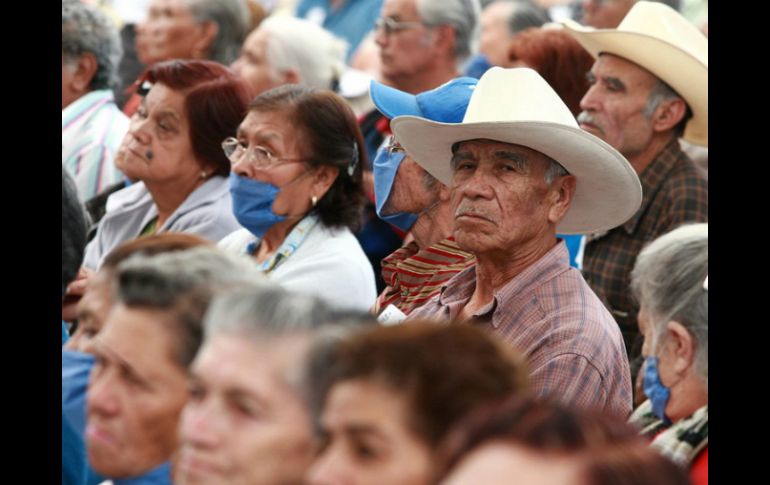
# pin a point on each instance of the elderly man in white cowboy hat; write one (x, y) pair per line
(649, 86)
(520, 170)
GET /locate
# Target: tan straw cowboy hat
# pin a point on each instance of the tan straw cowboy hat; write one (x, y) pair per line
(657, 38)
(518, 106)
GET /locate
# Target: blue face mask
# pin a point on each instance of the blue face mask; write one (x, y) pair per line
(384, 170)
(252, 204)
(654, 388)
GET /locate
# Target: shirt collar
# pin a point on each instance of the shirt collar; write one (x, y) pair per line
(651, 179)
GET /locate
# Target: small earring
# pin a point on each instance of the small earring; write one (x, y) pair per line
(314, 200)
(204, 174)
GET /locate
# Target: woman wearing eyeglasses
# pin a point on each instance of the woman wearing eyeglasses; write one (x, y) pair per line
(297, 189)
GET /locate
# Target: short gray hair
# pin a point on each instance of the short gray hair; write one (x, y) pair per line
(84, 29)
(524, 15)
(462, 15)
(264, 311)
(298, 44)
(555, 169)
(660, 93)
(667, 280)
(233, 20)
(182, 283)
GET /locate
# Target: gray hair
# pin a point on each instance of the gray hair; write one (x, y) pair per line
(462, 15)
(555, 169)
(298, 44)
(182, 283)
(660, 93)
(233, 20)
(84, 29)
(667, 280)
(524, 15)
(262, 313)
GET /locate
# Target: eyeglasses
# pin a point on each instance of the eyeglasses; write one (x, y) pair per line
(258, 156)
(389, 25)
(393, 146)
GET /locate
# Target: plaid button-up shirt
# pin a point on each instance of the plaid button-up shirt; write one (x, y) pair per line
(674, 193)
(548, 313)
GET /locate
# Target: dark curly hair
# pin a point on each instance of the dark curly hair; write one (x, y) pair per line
(331, 137)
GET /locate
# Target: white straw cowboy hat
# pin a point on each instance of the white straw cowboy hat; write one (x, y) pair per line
(657, 38)
(518, 106)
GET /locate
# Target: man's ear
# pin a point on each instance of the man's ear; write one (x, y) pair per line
(85, 70)
(561, 194)
(202, 46)
(443, 37)
(291, 76)
(668, 114)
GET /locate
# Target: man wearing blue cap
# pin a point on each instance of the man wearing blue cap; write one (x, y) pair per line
(414, 201)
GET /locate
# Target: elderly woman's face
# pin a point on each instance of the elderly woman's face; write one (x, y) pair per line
(368, 439)
(275, 132)
(245, 422)
(135, 394)
(170, 32)
(157, 147)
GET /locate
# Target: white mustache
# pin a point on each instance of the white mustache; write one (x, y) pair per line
(585, 117)
(466, 209)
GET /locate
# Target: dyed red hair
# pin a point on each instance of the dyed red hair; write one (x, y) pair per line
(556, 56)
(216, 101)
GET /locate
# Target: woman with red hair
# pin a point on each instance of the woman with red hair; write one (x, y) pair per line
(556, 56)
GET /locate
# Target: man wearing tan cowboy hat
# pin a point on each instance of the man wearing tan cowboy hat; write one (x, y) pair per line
(649, 86)
(520, 170)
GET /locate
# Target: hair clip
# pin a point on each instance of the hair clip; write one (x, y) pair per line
(144, 88)
(353, 160)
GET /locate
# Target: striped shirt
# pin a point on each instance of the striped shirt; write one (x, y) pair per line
(92, 128)
(573, 347)
(415, 275)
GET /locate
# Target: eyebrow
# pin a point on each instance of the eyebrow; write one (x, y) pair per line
(519, 160)
(461, 155)
(103, 350)
(615, 83)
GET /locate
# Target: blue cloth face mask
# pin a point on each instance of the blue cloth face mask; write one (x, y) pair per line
(384, 169)
(252, 204)
(654, 388)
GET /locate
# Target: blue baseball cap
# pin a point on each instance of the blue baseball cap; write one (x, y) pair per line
(445, 104)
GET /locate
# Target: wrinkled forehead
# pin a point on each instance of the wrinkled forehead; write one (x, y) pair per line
(620, 66)
(400, 9)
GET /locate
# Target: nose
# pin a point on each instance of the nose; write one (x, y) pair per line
(199, 425)
(476, 186)
(137, 128)
(380, 37)
(328, 469)
(101, 397)
(591, 100)
(236, 66)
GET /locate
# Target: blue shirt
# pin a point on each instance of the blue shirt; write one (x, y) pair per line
(352, 21)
